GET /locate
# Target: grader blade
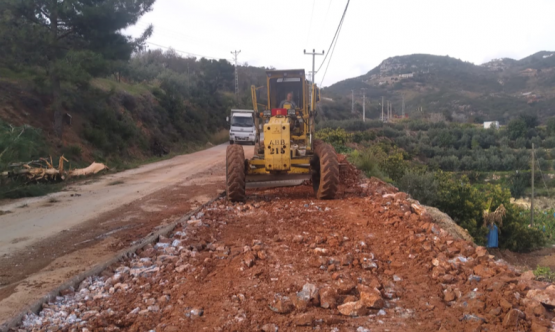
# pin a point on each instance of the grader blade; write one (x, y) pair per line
(269, 180)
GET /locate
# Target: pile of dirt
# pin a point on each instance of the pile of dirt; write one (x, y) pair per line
(350, 176)
(445, 222)
(371, 261)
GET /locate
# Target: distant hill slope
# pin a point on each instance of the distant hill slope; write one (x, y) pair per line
(497, 90)
(160, 102)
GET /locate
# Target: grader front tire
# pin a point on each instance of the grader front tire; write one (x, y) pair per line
(325, 176)
(235, 173)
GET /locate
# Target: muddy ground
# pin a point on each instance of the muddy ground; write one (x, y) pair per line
(283, 261)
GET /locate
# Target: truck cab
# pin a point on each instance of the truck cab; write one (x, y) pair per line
(242, 128)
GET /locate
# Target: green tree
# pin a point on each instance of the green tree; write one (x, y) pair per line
(71, 40)
(516, 128)
(551, 126)
(530, 119)
(394, 166)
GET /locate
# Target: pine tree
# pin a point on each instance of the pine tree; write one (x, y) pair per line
(69, 41)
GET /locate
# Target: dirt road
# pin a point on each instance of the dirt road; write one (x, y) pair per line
(46, 240)
(370, 260)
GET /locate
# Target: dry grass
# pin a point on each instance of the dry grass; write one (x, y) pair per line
(220, 137)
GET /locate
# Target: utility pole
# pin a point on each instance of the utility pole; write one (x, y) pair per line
(235, 54)
(352, 101)
(382, 108)
(314, 54)
(403, 107)
(363, 105)
(532, 200)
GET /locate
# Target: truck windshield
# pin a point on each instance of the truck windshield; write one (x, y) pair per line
(242, 121)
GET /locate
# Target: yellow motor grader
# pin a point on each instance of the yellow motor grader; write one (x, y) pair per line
(285, 151)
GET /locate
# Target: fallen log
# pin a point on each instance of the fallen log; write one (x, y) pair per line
(43, 169)
(91, 169)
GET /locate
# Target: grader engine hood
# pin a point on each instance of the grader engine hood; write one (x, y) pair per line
(277, 144)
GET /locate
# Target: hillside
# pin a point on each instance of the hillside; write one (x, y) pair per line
(158, 103)
(497, 90)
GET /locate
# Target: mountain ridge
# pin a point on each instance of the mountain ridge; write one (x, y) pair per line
(495, 90)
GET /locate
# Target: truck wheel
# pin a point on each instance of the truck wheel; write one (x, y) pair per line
(325, 171)
(235, 173)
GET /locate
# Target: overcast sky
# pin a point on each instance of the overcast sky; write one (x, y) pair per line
(274, 33)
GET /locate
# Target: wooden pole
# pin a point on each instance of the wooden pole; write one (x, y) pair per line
(532, 200)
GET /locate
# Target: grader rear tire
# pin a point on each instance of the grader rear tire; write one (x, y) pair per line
(235, 173)
(325, 171)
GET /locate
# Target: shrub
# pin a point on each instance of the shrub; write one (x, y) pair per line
(516, 129)
(549, 143)
(20, 144)
(543, 273)
(421, 186)
(334, 136)
(518, 183)
(543, 164)
(449, 163)
(391, 133)
(72, 152)
(364, 136)
(418, 125)
(521, 143)
(368, 161)
(394, 166)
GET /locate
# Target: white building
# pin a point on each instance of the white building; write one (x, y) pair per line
(491, 124)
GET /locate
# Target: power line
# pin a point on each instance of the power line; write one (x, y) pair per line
(184, 52)
(310, 24)
(331, 56)
(538, 164)
(336, 34)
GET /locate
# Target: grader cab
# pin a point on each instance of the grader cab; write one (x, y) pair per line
(285, 152)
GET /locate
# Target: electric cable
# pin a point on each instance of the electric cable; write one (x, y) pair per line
(331, 56)
(336, 35)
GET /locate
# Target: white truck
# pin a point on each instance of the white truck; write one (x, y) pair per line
(242, 128)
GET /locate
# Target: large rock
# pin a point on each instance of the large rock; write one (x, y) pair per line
(506, 305)
(544, 296)
(448, 296)
(353, 309)
(370, 297)
(309, 294)
(249, 259)
(345, 286)
(481, 251)
(328, 298)
(282, 305)
(483, 271)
